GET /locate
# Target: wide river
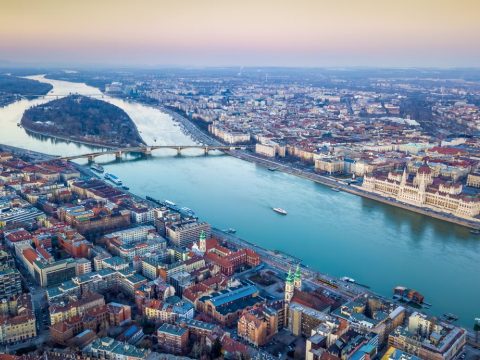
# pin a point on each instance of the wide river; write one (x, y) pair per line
(335, 233)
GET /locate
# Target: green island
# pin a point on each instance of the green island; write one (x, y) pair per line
(13, 88)
(83, 119)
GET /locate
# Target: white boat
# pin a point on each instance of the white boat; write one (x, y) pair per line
(171, 203)
(97, 168)
(347, 279)
(280, 211)
(113, 179)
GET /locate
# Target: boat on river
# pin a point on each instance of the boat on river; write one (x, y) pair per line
(407, 295)
(450, 317)
(280, 211)
(97, 168)
(113, 179)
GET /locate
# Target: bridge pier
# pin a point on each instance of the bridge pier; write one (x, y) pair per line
(118, 155)
(205, 150)
(147, 151)
(91, 159)
(179, 151)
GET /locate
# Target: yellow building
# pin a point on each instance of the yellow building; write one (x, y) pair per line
(18, 322)
(329, 165)
(473, 180)
(64, 312)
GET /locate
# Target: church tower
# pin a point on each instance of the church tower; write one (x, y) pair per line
(289, 287)
(203, 242)
(297, 278)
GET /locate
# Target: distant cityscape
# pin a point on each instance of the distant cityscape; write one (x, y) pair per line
(90, 270)
(374, 133)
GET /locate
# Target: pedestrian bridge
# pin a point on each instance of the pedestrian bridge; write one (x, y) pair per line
(147, 150)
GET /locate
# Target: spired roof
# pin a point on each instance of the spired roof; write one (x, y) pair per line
(298, 273)
(289, 276)
(203, 236)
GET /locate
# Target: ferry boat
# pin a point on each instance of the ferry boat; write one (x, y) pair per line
(113, 179)
(408, 295)
(348, 279)
(280, 211)
(171, 203)
(97, 168)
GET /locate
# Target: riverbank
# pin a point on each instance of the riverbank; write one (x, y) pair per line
(353, 189)
(67, 139)
(199, 134)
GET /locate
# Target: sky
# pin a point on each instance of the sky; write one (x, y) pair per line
(310, 33)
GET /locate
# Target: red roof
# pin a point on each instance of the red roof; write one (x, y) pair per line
(30, 255)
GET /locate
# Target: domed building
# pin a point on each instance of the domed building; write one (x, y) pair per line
(423, 189)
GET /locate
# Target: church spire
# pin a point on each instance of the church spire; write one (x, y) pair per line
(297, 278)
(203, 241)
(289, 276)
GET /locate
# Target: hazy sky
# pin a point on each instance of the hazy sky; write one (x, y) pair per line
(242, 32)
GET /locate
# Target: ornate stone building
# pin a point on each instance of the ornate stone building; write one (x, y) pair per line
(425, 190)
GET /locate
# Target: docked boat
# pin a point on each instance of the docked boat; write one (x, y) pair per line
(450, 317)
(187, 211)
(280, 211)
(97, 168)
(170, 203)
(336, 189)
(408, 295)
(347, 279)
(125, 187)
(231, 231)
(475, 231)
(113, 179)
(272, 169)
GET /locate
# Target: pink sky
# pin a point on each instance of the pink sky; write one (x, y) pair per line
(242, 32)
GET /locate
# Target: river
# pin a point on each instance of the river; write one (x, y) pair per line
(333, 232)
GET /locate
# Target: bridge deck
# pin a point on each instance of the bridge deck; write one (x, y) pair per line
(147, 149)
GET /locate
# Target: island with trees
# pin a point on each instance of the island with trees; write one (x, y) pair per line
(13, 88)
(83, 119)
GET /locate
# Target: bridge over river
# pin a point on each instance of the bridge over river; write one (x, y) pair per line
(147, 150)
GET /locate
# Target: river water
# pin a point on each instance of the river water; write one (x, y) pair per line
(333, 232)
